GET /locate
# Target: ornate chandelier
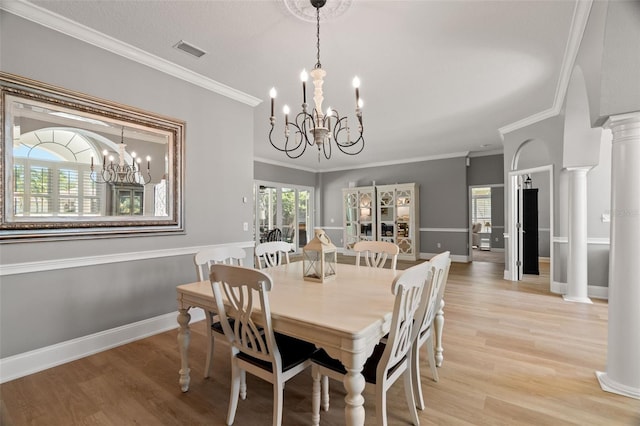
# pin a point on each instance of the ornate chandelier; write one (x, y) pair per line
(316, 127)
(121, 173)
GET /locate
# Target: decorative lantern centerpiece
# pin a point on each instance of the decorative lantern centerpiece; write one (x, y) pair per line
(320, 257)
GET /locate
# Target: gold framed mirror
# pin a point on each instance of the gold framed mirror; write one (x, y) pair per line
(76, 166)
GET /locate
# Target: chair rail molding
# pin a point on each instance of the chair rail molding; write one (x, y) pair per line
(78, 262)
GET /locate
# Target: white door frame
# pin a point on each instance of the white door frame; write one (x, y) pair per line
(279, 186)
(513, 248)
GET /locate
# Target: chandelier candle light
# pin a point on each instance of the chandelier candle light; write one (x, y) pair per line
(315, 127)
(121, 173)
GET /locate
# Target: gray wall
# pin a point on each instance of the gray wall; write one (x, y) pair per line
(274, 173)
(43, 308)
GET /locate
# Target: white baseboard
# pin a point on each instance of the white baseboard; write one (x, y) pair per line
(454, 257)
(20, 365)
(596, 292)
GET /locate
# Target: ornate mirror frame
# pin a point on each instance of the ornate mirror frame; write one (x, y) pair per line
(55, 177)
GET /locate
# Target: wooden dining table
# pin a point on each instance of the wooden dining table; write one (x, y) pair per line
(346, 316)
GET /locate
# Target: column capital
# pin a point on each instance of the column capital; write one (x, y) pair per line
(630, 120)
(584, 169)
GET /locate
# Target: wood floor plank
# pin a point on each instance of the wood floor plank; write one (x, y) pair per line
(515, 354)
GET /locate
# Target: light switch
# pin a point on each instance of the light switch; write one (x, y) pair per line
(245, 226)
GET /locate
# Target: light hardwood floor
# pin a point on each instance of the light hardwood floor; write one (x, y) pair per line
(515, 354)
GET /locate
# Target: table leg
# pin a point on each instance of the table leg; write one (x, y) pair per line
(439, 324)
(184, 336)
(354, 385)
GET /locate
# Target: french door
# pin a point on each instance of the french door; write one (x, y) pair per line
(283, 212)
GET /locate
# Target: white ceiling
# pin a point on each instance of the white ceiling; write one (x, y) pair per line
(438, 77)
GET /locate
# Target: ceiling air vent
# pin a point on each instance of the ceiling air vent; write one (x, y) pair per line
(189, 48)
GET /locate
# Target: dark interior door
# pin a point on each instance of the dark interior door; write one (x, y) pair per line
(530, 228)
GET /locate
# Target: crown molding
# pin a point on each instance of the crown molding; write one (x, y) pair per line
(578, 25)
(287, 165)
(402, 161)
(76, 30)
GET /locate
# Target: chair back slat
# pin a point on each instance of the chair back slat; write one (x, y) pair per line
(411, 290)
(439, 270)
(229, 255)
(272, 253)
(376, 253)
(246, 292)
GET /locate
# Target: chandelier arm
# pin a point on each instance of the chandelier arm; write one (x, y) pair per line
(308, 123)
(348, 146)
(297, 147)
(327, 146)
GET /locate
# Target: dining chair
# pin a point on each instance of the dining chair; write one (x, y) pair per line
(439, 271)
(203, 260)
(391, 357)
(274, 235)
(375, 253)
(272, 253)
(255, 347)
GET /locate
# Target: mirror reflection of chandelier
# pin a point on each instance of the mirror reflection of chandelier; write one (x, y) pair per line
(121, 172)
(315, 127)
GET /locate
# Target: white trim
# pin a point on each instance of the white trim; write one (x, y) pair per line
(454, 257)
(497, 151)
(404, 161)
(609, 385)
(283, 164)
(76, 30)
(333, 228)
(592, 241)
(578, 25)
(78, 262)
(465, 230)
(20, 365)
(542, 259)
(594, 291)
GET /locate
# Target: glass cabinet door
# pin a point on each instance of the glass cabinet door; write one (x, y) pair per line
(398, 218)
(387, 206)
(403, 205)
(366, 215)
(351, 218)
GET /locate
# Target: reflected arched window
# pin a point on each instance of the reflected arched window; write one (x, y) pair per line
(52, 174)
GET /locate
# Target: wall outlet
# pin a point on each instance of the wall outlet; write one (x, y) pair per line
(438, 245)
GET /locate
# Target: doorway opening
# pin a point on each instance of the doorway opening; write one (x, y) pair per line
(516, 218)
(486, 223)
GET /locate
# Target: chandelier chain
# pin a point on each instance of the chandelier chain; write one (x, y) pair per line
(318, 37)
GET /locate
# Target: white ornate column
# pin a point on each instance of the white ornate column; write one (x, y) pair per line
(623, 348)
(577, 285)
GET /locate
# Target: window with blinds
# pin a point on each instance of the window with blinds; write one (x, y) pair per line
(55, 189)
(481, 207)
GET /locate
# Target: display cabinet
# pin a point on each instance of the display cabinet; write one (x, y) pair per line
(397, 208)
(359, 213)
(126, 200)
